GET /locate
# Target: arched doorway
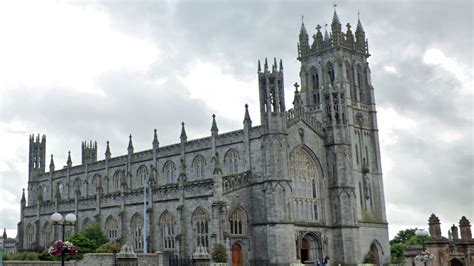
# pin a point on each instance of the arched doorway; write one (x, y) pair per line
(310, 249)
(373, 255)
(236, 255)
(304, 250)
(456, 262)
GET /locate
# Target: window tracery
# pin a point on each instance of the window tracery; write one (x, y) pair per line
(201, 228)
(168, 231)
(111, 228)
(236, 222)
(170, 171)
(199, 165)
(232, 158)
(304, 177)
(137, 229)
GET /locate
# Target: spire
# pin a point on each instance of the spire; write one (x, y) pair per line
(69, 161)
(335, 19)
(214, 129)
(130, 144)
(23, 200)
(247, 119)
(51, 165)
(4, 235)
(281, 65)
(265, 66)
(360, 34)
(155, 142)
(107, 150)
(303, 45)
(326, 35)
(183, 136)
(259, 68)
(275, 65)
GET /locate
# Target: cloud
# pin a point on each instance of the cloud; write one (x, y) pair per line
(133, 67)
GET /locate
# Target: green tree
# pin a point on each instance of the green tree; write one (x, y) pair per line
(88, 240)
(403, 236)
(219, 253)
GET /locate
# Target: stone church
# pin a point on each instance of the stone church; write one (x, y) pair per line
(303, 185)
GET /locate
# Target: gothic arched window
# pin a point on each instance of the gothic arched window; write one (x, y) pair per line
(61, 190)
(77, 186)
(142, 173)
(30, 235)
(117, 180)
(232, 159)
(237, 222)
(137, 231)
(170, 171)
(168, 231)
(201, 228)
(304, 178)
(47, 234)
(85, 223)
(111, 228)
(199, 165)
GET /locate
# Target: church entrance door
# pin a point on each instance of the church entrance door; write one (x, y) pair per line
(236, 255)
(304, 250)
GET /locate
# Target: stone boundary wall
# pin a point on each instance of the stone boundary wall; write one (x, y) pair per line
(37, 263)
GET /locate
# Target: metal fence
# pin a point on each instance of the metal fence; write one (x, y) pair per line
(180, 261)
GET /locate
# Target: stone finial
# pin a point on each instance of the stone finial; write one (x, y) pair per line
(454, 232)
(4, 234)
(259, 68)
(23, 199)
(130, 144)
(214, 129)
(69, 161)
(281, 65)
(247, 120)
(107, 151)
(183, 135)
(465, 227)
(265, 66)
(155, 143)
(434, 226)
(51, 165)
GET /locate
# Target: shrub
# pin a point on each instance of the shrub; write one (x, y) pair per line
(219, 253)
(108, 247)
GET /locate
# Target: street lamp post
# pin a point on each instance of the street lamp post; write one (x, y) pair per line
(69, 220)
(422, 233)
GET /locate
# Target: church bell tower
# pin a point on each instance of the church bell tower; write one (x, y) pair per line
(336, 89)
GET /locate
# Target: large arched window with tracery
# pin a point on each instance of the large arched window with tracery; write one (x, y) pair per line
(30, 235)
(137, 231)
(201, 226)
(237, 222)
(47, 234)
(305, 190)
(168, 231)
(111, 228)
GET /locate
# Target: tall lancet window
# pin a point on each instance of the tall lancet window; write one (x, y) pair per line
(201, 222)
(170, 171)
(137, 230)
(168, 231)
(232, 159)
(111, 228)
(331, 73)
(142, 172)
(305, 189)
(237, 222)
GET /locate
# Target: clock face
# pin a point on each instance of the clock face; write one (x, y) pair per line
(360, 118)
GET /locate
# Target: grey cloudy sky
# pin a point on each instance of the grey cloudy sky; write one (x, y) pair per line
(101, 70)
